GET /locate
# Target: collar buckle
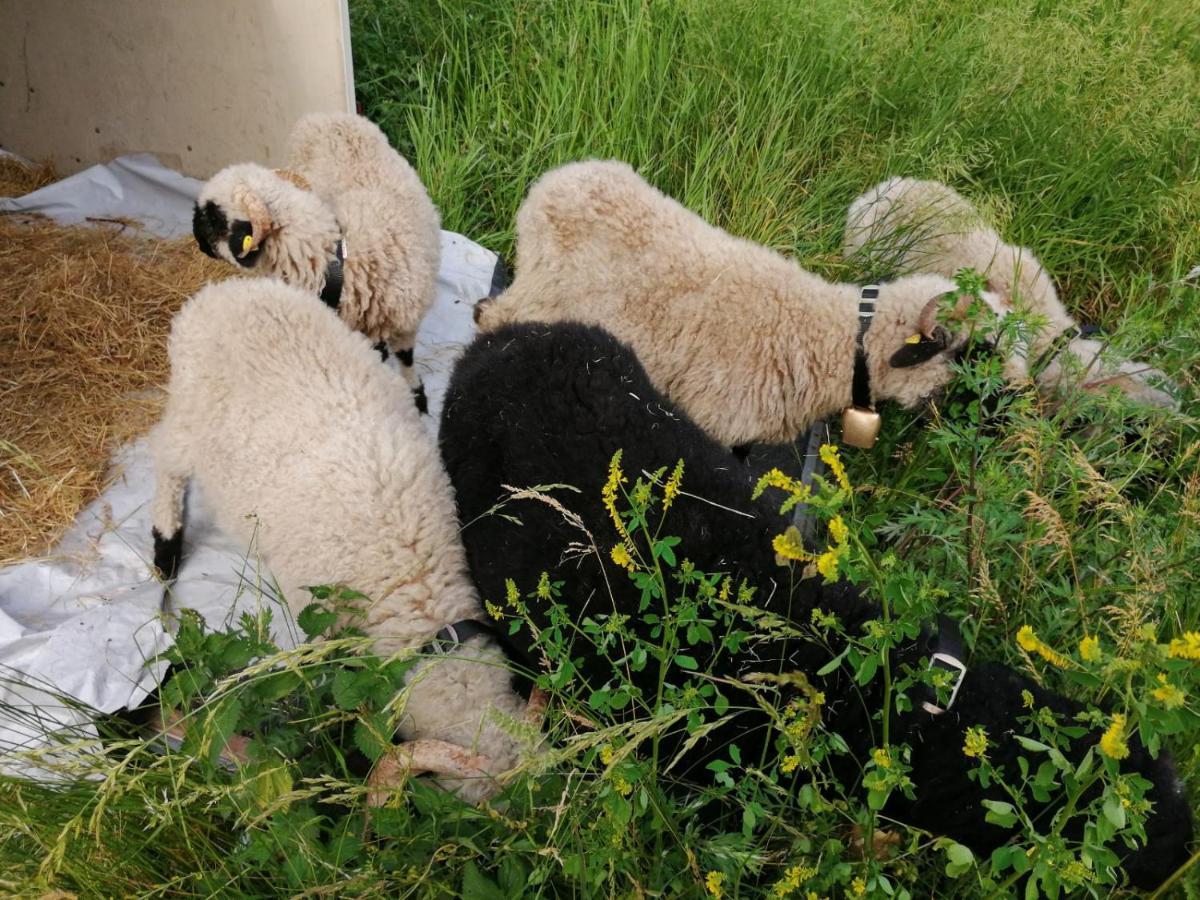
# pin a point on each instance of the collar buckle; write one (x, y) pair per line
(948, 663)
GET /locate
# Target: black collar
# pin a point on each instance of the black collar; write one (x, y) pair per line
(861, 389)
(331, 293)
(457, 633)
(946, 652)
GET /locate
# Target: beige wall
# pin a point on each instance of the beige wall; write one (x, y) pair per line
(199, 83)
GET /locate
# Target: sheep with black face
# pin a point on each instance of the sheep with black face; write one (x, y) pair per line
(906, 225)
(550, 404)
(349, 219)
(750, 345)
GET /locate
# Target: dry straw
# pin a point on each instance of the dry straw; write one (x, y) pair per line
(84, 317)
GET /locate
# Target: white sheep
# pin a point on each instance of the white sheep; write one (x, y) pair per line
(346, 200)
(303, 444)
(752, 346)
(906, 225)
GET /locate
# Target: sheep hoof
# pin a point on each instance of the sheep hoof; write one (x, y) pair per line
(420, 399)
(418, 757)
(168, 553)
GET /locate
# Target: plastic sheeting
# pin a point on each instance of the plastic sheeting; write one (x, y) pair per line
(83, 622)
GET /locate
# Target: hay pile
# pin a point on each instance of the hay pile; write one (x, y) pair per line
(18, 178)
(84, 316)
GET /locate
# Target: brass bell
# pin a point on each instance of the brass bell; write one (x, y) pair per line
(860, 427)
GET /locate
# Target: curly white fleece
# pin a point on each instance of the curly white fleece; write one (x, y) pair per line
(306, 446)
(752, 346)
(362, 190)
(908, 225)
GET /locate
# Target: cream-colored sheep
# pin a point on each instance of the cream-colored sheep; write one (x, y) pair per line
(906, 225)
(304, 445)
(344, 183)
(752, 346)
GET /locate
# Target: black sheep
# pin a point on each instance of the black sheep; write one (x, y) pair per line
(539, 405)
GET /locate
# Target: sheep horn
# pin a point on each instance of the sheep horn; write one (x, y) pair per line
(295, 178)
(928, 318)
(415, 757)
(260, 218)
(535, 709)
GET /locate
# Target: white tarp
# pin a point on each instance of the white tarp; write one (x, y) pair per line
(83, 622)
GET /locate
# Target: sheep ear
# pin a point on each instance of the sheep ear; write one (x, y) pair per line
(921, 350)
(208, 227)
(241, 243)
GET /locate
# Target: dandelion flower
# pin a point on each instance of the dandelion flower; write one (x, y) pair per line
(1112, 743)
(1027, 639)
(975, 746)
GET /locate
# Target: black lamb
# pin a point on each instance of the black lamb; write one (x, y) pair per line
(550, 404)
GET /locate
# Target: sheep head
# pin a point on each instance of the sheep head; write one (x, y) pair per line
(922, 324)
(233, 214)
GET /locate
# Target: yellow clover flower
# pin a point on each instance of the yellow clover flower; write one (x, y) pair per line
(1089, 649)
(1112, 743)
(975, 745)
(671, 491)
(714, 883)
(1186, 647)
(829, 456)
(1168, 694)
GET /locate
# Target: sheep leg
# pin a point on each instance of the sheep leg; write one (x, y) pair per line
(405, 355)
(166, 510)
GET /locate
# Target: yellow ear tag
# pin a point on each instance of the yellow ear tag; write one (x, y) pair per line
(246, 242)
(915, 339)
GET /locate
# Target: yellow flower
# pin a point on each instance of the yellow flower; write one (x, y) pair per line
(671, 491)
(838, 530)
(1027, 639)
(606, 755)
(882, 758)
(1113, 744)
(1168, 694)
(714, 884)
(511, 594)
(622, 787)
(493, 610)
(827, 564)
(1031, 643)
(789, 546)
(975, 746)
(829, 455)
(725, 587)
(620, 555)
(791, 880)
(1027, 699)
(858, 887)
(609, 494)
(777, 479)
(1186, 647)
(1089, 649)
(543, 588)
(789, 764)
